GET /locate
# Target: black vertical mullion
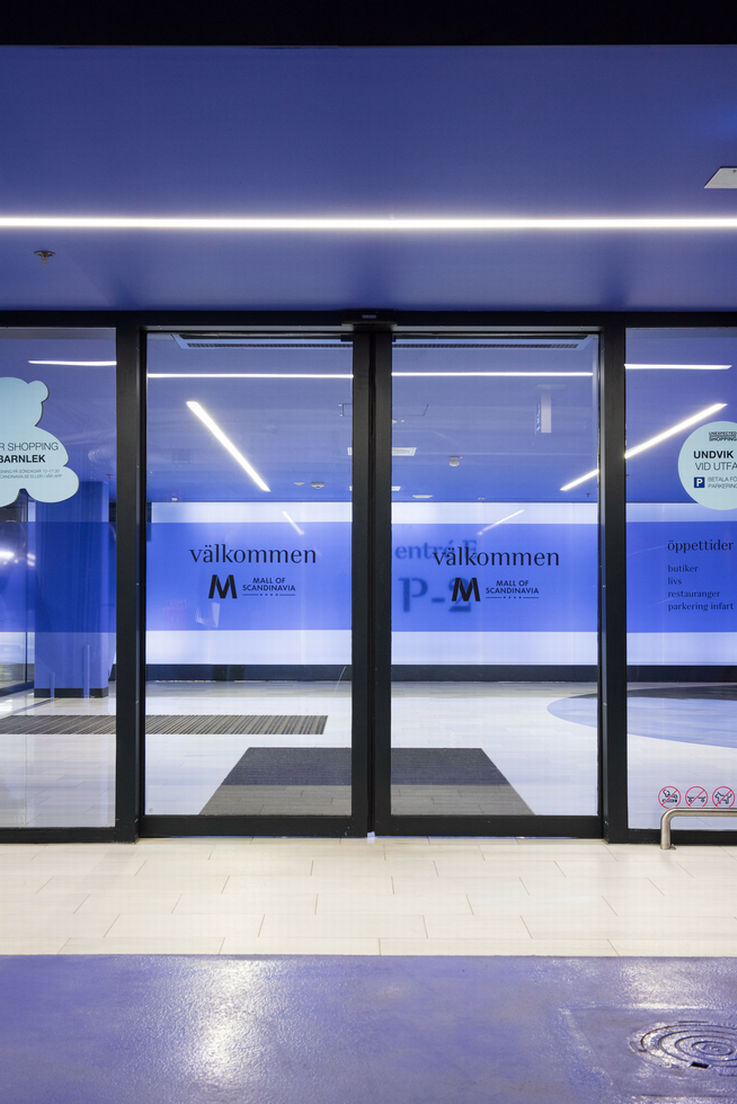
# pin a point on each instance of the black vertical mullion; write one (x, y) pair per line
(382, 574)
(613, 579)
(361, 571)
(130, 543)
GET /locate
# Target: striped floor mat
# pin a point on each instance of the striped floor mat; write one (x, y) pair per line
(206, 724)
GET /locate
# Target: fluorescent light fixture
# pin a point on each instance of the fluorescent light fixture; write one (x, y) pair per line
(500, 522)
(652, 441)
(239, 375)
(396, 488)
(678, 367)
(78, 363)
(370, 223)
(227, 444)
(430, 375)
(421, 496)
(293, 523)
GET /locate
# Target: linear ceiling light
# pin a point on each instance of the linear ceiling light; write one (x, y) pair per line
(78, 363)
(244, 375)
(679, 367)
(227, 444)
(501, 520)
(293, 523)
(652, 441)
(430, 375)
(369, 223)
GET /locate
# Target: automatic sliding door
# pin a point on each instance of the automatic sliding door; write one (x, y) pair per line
(494, 566)
(248, 577)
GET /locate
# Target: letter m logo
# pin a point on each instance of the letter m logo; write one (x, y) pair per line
(223, 589)
(460, 589)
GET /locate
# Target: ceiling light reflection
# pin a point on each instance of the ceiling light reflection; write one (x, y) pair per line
(227, 444)
(652, 441)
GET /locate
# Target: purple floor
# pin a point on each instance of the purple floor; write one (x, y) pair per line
(342, 1030)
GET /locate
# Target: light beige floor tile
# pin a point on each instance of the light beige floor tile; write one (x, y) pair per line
(301, 945)
(342, 925)
(475, 927)
(470, 884)
(40, 946)
(681, 947)
(396, 864)
(613, 868)
(545, 904)
(40, 924)
(590, 885)
(357, 881)
(562, 927)
(178, 926)
(717, 903)
(408, 904)
(144, 904)
(590, 947)
(145, 945)
(259, 900)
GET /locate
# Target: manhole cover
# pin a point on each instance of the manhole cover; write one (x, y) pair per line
(693, 1044)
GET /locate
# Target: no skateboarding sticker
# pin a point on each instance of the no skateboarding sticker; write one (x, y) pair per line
(723, 797)
(696, 797)
(669, 796)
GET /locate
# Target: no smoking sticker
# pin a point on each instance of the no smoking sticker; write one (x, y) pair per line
(723, 797)
(669, 796)
(696, 797)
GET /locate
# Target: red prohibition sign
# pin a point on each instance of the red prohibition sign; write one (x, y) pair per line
(723, 797)
(669, 796)
(696, 797)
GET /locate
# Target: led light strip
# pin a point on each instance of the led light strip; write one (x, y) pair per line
(367, 224)
(651, 441)
(227, 444)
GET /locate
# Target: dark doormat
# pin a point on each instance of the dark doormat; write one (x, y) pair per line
(321, 766)
(317, 781)
(175, 724)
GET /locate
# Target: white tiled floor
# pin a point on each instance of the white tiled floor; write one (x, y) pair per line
(391, 896)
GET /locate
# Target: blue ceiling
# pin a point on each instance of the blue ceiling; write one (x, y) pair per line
(214, 131)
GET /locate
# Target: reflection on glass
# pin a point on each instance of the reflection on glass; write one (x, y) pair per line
(248, 641)
(57, 578)
(494, 601)
(681, 590)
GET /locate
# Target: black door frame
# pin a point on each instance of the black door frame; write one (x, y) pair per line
(372, 460)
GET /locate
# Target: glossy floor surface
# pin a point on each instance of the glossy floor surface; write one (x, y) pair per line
(325, 1030)
(413, 896)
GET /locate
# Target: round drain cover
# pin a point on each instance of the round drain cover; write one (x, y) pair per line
(695, 1045)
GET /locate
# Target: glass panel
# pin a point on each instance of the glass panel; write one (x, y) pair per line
(248, 576)
(57, 578)
(494, 643)
(681, 582)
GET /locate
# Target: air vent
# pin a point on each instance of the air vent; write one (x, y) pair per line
(522, 346)
(249, 341)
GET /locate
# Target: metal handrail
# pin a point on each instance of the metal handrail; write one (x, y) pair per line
(667, 817)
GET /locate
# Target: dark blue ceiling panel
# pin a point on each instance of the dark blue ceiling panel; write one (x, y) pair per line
(526, 131)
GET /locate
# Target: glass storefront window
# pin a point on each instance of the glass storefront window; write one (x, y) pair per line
(57, 578)
(681, 576)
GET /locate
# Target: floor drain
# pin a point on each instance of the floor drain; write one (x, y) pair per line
(693, 1044)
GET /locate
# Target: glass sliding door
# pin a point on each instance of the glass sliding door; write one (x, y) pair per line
(494, 576)
(248, 641)
(682, 573)
(57, 578)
